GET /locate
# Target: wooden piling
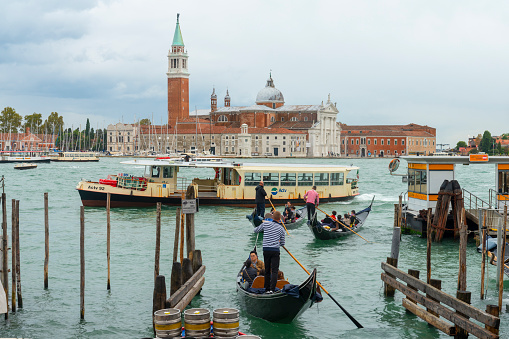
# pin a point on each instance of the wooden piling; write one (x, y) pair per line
(388, 289)
(483, 264)
(158, 240)
(18, 260)
(415, 274)
(181, 238)
(13, 255)
(396, 215)
(501, 259)
(436, 283)
(159, 297)
(400, 207)
(493, 310)
(428, 246)
(197, 262)
(176, 277)
(177, 231)
(462, 273)
(46, 240)
(464, 296)
(82, 262)
(396, 238)
(190, 241)
(108, 234)
(5, 263)
(187, 270)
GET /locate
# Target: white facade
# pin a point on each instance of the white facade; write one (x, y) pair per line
(123, 138)
(324, 135)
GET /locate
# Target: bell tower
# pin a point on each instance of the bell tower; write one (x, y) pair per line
(178, 79)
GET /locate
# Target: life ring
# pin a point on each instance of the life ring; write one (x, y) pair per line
(394, 165)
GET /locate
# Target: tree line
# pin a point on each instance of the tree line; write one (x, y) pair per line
(67, 138)
(487, 144)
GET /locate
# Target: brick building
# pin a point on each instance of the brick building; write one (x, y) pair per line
(387, 140)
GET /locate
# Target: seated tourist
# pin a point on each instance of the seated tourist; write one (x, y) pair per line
(248, 273)
(255, 262)
(353, 219)
(280, 275)
(335, 222)
(294, 214)
(287, 213)
(346, 220)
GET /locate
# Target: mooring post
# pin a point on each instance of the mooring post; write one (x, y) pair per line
(196, 260)
(82, 262)
(396, 238)
(464, 296)
(13, 255)
(190, 194)
(158, 240)
(159, 298)
(415, 274)
(181, 238)
(108, 233)
(176, 277)
(500, 254)
(177, 231)
(493, 310)
(502, 260)
(400, 207)
(5, 264)
(436, 283)
(187, 270)
(396, 215)
(428, 246)
(18, 260)
(46, 240)
(483, 264)
(388, 289)
(462, 273)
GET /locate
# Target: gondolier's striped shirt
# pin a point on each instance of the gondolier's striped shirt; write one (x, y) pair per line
(273, 235)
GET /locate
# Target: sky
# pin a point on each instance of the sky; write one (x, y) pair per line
(438, 63)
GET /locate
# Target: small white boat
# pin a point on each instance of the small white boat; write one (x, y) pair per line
(25, 165)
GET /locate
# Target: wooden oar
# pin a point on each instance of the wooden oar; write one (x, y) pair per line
(348, 228)
(323, 288)
(280, 220)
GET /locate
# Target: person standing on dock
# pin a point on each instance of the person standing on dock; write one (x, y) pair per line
(260, 200)
(273, 238)
(312, 199)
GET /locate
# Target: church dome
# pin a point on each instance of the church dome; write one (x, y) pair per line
(269, 93)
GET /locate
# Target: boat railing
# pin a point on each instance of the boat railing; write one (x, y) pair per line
(131, 182)
(183, 183)
(404, 201)
(473, 202)
(496, 201)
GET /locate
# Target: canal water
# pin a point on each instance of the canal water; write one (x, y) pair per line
(349, 268)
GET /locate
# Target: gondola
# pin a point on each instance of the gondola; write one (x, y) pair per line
(280, 307)
(298, 221)
(323, 233)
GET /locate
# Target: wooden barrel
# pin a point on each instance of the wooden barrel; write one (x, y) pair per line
(168, 323)
(197, 322)
(226, 322)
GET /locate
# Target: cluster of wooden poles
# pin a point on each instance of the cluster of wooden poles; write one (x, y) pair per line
(433, 299)
(15, 256)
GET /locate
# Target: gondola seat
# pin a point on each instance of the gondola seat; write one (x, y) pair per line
(260, 281)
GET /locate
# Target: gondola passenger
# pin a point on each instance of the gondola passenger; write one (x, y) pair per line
(353, 219)
(256, 263)
(249, 272)
(288, 214)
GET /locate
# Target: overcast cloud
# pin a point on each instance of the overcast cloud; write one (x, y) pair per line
(437, 63)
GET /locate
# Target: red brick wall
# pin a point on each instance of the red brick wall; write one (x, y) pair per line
(178, 100)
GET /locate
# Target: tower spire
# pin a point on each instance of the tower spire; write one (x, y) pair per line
(177, 36)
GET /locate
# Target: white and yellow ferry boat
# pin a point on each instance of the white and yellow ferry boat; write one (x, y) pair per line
(230, 183)
(23, 156)
(75, 156)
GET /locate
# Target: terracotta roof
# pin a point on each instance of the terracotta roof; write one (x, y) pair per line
(408, 127)
(388, 133)
(292, 124)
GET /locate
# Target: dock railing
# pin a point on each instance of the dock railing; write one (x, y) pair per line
(495, 201)
(473, 202)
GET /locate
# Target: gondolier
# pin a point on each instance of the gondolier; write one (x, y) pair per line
(312, 200)
(273, 238)
(260, 200)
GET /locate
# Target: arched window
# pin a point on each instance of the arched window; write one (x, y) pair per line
(222, 118)
(294, 119)
(272, 119)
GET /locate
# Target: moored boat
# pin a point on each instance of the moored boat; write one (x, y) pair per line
(24, 166)
(23, 156)
(75, 157)
(323, 232)
(230, 183)
(283, 306)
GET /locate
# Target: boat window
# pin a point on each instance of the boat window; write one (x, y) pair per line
(411, 180)
(252, 179)
(305, 179)
(271, 179)
(417, 181)
(321, 179)
(337, 179)
(288, 179)
(155, 171)
(503, 182)
(424, 182)
(167, 172)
